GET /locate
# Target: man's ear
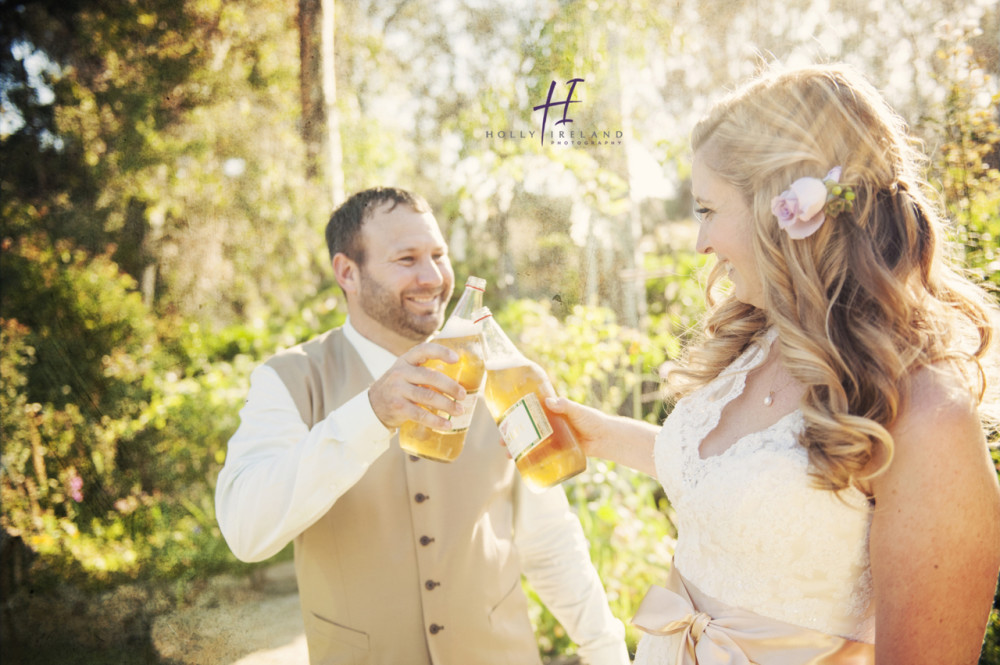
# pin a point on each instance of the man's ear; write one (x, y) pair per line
(347, 273)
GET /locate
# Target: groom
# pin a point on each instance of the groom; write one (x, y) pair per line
(399, 559)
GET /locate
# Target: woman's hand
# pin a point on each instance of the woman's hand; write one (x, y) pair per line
(622, 440)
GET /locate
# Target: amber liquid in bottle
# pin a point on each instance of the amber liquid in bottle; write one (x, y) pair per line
(445, 445)
(542, 444)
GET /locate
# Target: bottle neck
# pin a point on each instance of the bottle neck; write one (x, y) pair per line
(499, 347)
(471, 300)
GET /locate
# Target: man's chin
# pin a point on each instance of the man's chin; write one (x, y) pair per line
(420, 328)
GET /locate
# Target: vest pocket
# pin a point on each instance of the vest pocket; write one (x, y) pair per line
(510, 615)
(512, 635)
(332, 643)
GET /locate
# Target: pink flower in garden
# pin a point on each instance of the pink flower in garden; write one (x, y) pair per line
(76, 488)
(800, 208)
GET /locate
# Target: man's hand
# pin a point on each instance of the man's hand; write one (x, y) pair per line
(407, 390)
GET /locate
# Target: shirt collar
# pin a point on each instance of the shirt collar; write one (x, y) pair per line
(377, 359)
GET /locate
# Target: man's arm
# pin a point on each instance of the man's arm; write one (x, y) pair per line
(555, 558)
(280, 476)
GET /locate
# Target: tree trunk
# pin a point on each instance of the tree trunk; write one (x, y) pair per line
(335, 165)
(318, 91)
(635, 282)
(310, 85)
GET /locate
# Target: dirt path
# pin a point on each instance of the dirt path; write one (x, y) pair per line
(237, 623)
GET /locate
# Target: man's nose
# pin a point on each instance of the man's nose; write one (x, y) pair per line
(429, 272)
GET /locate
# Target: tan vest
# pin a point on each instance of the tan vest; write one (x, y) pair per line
(415, 564)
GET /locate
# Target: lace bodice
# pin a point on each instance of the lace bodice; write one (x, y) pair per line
(752, 530)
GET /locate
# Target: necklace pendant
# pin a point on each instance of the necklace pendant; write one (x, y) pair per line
(769, 400)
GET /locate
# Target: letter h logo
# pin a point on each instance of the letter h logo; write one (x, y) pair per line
(549, 104)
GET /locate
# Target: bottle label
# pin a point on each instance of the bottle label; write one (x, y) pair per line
(462, 422)
(524, 425)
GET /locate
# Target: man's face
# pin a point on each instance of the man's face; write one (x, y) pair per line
(406, 280)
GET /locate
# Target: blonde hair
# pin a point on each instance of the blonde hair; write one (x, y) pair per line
(866, 300)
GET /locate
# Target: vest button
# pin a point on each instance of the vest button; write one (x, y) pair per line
(430, 584)
(421, 497)
(426, 540)
(435, 629)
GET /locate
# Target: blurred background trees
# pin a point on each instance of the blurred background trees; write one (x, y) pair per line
(168, 167)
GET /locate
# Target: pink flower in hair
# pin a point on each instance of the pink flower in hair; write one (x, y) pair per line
(801, 209)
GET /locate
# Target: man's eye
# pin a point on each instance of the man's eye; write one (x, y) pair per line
(701, 213)
(405, 259)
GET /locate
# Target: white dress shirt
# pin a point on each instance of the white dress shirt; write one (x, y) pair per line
(280, 477)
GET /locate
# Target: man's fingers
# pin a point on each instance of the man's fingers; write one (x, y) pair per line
(411, 392)
(428, 398)
(421, 353)
(442, 383)
(432, 420)
(395, 405)
(424, 417)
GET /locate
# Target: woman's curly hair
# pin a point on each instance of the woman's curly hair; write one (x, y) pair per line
(867, 299)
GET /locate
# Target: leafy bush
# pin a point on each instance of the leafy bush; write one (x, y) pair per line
(968, 167)
(967, 162)
(77, 349)
(115, 421)
(625, 515)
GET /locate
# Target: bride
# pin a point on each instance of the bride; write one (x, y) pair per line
(835, 498)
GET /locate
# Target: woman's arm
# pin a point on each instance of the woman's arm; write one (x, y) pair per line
(623, 440)
(935, 539)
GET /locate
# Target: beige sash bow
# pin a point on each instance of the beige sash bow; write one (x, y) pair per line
(714, 633)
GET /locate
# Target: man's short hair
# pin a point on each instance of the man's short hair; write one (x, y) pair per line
(343, 231)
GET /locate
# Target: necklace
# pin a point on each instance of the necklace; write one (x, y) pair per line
(769, 398)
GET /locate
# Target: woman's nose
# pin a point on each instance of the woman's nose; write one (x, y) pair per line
(703, 246)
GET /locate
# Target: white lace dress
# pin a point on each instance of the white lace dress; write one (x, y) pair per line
(752, 530)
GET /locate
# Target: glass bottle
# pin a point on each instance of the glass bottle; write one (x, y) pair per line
(461, 334)
(541, 443)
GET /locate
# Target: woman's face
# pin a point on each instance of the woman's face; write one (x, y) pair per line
(725, 230)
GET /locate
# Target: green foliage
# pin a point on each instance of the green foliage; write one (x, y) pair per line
(990, 654)
(968, 166)
(78, 350)
(593, 360)
(114, 429)
(160, 196)
(675, 289)
(968, 162)
(588, 355)
(92, 482)
(117, 74)
(90, 332)
(171, 137)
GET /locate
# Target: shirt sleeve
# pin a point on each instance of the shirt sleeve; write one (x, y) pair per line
(280, 476)
(556, 560)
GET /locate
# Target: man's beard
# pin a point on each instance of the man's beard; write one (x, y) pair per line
(388, 309)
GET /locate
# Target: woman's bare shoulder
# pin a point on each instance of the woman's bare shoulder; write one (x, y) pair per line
(939, 401)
